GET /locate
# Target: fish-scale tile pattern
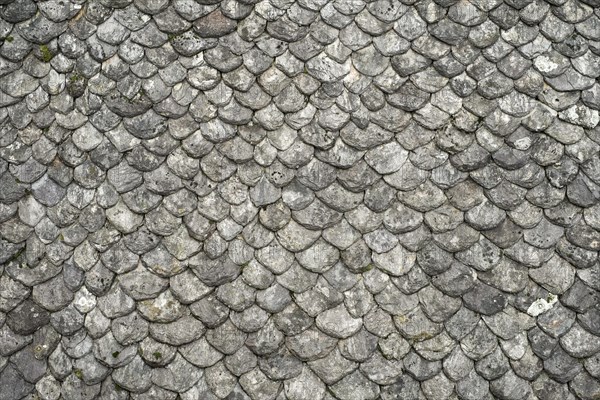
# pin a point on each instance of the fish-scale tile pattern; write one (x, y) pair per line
(311, 199)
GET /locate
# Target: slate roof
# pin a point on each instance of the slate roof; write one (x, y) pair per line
(312, 199)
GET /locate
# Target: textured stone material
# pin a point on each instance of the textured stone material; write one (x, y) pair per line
(300, 199)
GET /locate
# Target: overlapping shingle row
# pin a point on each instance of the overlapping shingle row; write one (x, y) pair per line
(309, 199)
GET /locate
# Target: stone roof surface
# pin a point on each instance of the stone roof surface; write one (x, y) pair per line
(311, 199)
